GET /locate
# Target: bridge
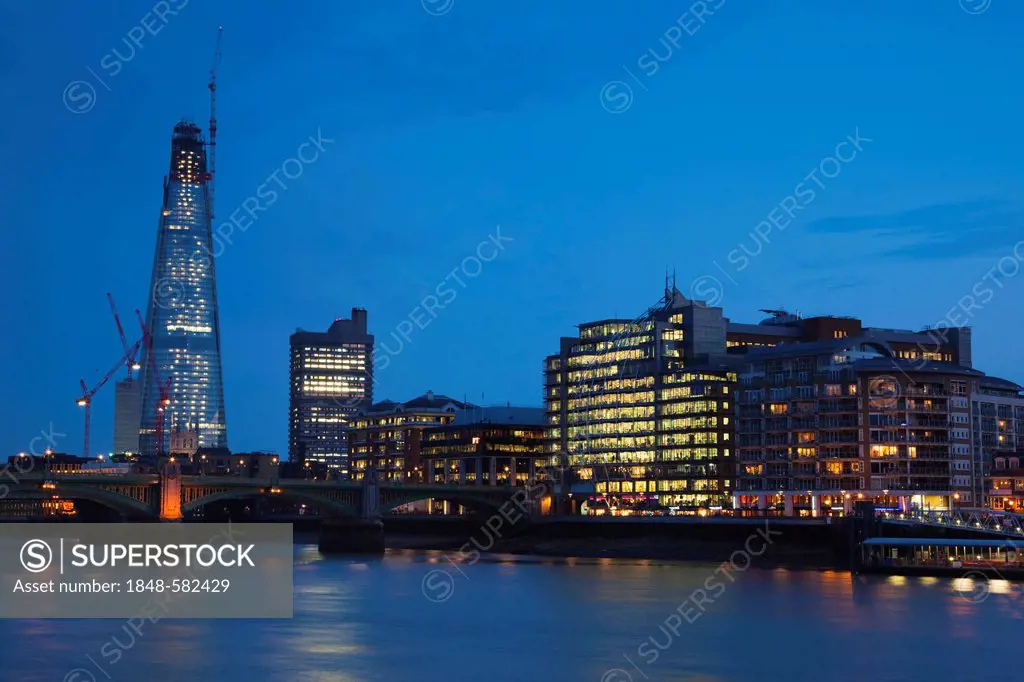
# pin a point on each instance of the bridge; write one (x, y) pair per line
(169, 496)
(978, 521)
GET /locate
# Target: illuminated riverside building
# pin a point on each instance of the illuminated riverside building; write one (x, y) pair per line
(997, 421)
(331, 379)
(642, 408)
(650, 408)
(181, 318)
(485, 446)
(824, 424)
(1006, 484)
(387, 435)
(831, 411)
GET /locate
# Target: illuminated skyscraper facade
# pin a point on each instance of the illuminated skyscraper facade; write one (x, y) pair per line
(182, 387)
(331, 381)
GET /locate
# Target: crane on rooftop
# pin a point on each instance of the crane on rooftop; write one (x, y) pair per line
(213, 120)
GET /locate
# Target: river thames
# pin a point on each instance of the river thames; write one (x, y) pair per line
(417, 616)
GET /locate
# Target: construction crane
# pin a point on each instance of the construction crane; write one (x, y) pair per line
(212, 154)
(88, 394)
(130, 360)
(164, 387)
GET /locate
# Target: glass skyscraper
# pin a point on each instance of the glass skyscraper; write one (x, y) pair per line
(331, 381)
(182, 368)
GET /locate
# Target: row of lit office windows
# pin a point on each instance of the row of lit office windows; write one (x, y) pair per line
(662, 485)
(604, 358)
(694, 438)
(632, 398)
(582, 442)
(613, 328)
(603, 386)
(587, 416)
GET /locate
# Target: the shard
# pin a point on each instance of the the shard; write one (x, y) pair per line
(182, 387)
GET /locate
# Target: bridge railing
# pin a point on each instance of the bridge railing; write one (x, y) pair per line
(976, 520)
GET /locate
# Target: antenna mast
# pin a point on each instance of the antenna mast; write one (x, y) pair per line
(213, 119)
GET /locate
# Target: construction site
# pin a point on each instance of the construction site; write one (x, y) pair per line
(168, 389)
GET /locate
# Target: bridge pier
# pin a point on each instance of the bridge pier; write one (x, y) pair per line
(170, 492)
(862, 525)
(364, 535)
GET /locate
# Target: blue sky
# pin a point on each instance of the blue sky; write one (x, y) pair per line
(448, 125)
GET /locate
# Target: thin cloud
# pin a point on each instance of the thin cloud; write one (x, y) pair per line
(939, 231)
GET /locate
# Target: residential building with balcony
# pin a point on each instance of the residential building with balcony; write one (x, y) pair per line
(387, 436)
(823, 424)
(997, 426)
(1005, 484)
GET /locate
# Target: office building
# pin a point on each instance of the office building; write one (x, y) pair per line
(642, 408)
(682, 407)
(182, 386)
(331, 380)
(127, 416)
(486, 446)
(387, 435)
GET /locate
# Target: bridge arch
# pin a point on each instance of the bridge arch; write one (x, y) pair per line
(486, 504)
(326, 504)
(119, 502)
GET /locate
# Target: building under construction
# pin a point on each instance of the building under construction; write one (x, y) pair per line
(182, 387)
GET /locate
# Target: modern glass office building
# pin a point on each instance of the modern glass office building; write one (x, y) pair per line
(331, 376)
(181, 368)
(641, 408)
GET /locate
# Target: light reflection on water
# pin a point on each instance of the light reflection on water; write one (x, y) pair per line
(540, 618)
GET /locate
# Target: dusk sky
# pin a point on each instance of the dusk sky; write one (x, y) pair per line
(604, 167)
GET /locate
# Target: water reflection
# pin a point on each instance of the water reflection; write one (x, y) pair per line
(512, 618)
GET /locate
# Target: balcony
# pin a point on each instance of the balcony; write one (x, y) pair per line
(927, 423)
(925, 391)
(918, 407)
